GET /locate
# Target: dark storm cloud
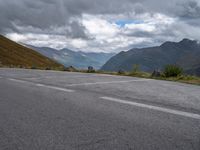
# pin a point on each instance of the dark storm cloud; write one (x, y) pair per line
(76, 30)
(189, 9)
(46, 13)
(189, 12)
(63, 18)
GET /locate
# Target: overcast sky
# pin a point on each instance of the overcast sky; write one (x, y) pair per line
(99, 25)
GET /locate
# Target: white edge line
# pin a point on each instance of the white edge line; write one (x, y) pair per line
(32, 78)
(16, 80)
(93, 83)
(157, 108)
(55, 88)
(42, 85)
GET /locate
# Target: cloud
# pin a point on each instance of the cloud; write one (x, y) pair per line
(99, 25)
(189, 9)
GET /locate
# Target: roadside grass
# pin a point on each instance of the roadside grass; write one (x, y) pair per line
(54, 68)
(182, 78)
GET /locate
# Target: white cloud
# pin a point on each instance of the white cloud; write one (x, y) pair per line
(90, 25)
(146, 27)
(98, 27)
(103, 34)
(17, 37)
(78, 43)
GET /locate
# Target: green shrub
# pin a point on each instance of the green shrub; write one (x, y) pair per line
(172, 71)
(121, 72)
(188, 77)
(48, 68)
(33, 67)
(91, 69)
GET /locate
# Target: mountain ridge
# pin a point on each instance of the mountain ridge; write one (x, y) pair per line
(185, 53)
(79, 59)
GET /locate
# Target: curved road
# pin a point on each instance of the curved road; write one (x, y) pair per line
(74, 111)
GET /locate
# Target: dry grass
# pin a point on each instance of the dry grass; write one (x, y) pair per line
(183, 79)
(15, 55)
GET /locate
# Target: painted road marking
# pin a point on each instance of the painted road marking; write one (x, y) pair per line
(16, 80)
(55, 88)
(33, 78)
(43, 85)
(109, 82)
(74, 76)
(157, 108)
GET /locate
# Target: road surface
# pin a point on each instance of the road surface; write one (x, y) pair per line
(49, 110)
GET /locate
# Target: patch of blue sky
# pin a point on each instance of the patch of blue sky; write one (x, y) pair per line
(122, 23)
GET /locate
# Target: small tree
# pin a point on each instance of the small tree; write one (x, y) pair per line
(172, 71)
(121, 71)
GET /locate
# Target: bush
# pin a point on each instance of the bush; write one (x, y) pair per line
(172, 71)
(48, 68)
(156, 73)
(121, 72)
(70, 69)
(21, 66)
(33, 67)
(91, 69)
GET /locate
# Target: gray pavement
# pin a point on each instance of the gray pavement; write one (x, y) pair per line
(75, 111)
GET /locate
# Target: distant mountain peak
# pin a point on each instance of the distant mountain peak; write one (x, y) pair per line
(185, 53)
(188, 41)
(77, 59)
(166, 43)
(184, 42)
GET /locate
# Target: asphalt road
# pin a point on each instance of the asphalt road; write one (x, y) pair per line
(48, 110)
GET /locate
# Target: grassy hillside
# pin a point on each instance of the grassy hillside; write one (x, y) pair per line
(13, 54)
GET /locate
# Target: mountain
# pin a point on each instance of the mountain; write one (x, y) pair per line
(80, 60)
(185, 53)
(13, 54)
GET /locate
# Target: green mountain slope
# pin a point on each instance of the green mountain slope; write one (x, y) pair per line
(13, 54)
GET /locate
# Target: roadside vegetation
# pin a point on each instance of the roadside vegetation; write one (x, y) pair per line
(172, 71)
(169, 73)
(56, 68)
